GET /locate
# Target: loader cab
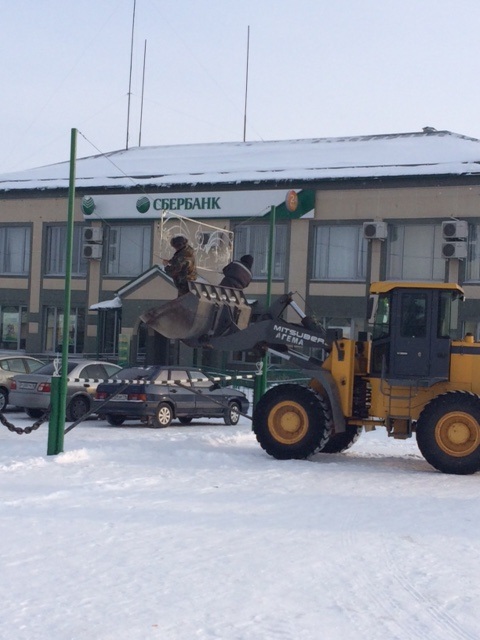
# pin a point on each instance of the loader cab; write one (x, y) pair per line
(413, 325)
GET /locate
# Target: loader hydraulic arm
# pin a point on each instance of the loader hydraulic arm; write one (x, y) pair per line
(272, 332)
(219, 318)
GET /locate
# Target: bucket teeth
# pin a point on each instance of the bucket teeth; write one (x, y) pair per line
(205, 311)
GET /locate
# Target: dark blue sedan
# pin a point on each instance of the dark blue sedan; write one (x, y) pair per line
(156, 395)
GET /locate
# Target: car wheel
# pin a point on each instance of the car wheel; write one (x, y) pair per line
(185, 420)
(163, 416)
(232, 414)
(34, 413)
(77, 408)
(115, 421)
(3, 399)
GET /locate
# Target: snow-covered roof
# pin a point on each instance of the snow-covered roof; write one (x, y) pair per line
(426, 153)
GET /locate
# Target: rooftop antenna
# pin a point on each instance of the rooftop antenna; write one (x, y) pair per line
(143, 87)
(246, 87)
(130, 77)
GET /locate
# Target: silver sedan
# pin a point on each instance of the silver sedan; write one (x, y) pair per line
(32, 391)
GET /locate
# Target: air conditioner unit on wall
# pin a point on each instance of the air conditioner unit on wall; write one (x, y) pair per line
(92, 234)
(92, 251)
(375, 230)
(455, 229)
(456, 249)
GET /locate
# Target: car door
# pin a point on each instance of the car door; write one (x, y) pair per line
(205, 400)
(14, 365)
(181, 393)
(89, 373)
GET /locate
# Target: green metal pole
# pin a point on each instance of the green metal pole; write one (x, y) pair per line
(52, 447)
(261, 385)
(58, 393)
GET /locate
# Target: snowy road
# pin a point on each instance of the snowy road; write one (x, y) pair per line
(194, 533)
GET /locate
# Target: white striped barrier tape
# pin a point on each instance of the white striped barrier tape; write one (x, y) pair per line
(159, 382)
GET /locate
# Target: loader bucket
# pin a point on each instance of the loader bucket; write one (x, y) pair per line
(205, 311)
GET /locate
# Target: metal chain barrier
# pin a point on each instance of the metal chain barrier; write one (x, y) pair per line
(97, 409)
(19, 430)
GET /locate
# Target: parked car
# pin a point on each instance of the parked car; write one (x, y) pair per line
(32, 392)
(185, 394)
(9, 366)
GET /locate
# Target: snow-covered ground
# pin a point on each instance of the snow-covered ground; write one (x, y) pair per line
(194, 533)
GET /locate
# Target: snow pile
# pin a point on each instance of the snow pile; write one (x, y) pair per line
(195, 533)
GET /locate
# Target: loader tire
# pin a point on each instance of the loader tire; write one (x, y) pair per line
(292, 422)
(448, 433)
(340, 442)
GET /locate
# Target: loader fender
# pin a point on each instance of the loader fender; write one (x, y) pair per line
(323, 382)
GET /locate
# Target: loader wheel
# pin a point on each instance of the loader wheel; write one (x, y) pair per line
(342, 441)
(448, 433)
(292, 422)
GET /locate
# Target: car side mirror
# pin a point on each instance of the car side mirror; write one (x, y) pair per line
(215, 386)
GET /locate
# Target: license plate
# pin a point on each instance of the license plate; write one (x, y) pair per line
(120, 397)
(26, 385)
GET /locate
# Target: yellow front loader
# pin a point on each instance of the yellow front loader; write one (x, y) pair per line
(415, 374)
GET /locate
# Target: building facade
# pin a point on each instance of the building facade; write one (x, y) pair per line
(348, 212)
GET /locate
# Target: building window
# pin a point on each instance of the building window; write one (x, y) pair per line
(15, 250)
(13, 327)
(339, 253)
(56, 251)
(254, 239)
(472, 269)
(128, 250)
(414, 252)
(54, 330)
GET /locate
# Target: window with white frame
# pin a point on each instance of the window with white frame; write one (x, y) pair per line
(472, 267)
(253, 239)
(339, 253)
(56, 251)
(128, 250)
(15, 250)
(54, 329)
(414, 252)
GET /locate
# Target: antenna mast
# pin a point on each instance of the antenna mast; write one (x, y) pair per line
(143, 87)
(246, 87)
(130, 77)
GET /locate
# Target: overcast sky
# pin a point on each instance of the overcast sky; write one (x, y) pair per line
(317, 68)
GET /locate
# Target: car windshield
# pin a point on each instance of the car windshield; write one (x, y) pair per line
(49, 369)
(136, 373)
